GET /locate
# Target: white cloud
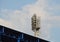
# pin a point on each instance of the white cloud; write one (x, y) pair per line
(54, 19)
(6, 23)
(37, 8)
(22, 18)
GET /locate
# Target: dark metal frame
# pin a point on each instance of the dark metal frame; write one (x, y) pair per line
(10, 35)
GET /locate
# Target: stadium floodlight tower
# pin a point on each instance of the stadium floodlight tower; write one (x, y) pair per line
(35, 25)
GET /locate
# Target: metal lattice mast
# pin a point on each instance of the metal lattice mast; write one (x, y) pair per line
(35, 25)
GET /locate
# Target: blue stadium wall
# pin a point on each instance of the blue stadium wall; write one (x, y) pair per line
(10, 35)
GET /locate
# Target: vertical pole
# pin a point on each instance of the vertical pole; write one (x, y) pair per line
(18, 40)
(3, 29)
(22, 36)
(38, 40)
(36, 33)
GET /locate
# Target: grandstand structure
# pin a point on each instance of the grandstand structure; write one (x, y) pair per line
(10, 35)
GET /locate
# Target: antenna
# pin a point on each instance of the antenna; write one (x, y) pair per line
(35, 25)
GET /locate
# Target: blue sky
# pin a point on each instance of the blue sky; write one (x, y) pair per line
(14, 4)
(19, 12)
